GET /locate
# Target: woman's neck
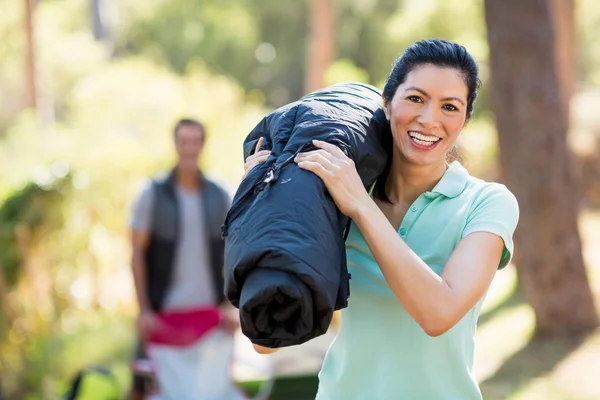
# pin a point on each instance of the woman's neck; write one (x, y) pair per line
(406, 182)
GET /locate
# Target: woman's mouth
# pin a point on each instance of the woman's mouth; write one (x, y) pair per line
(421, 141)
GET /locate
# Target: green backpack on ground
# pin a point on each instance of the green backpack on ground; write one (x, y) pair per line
(94, 383)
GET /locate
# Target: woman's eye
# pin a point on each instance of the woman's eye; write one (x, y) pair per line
(450, 107)
(415, 99)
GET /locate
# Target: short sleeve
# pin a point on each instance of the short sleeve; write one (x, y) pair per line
(496, 211)
(141, 215)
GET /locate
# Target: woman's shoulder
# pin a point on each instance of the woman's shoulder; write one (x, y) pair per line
(488, 188)
(458, 182)
(490, 193)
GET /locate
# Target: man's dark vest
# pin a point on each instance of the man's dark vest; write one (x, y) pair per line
(165, 229)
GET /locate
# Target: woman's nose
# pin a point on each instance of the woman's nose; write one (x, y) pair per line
(429, 117)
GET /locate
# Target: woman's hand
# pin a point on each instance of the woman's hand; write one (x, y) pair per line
(256, 158)
(339, 175)
(263, 350)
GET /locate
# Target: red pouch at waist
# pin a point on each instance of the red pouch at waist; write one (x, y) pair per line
(184, 328)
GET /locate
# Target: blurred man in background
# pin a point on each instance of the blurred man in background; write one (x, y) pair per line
(178, 258)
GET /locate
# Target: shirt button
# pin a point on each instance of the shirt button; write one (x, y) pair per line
(414, 208)
(402, 231)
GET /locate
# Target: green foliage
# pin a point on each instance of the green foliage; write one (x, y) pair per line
(226, 36)
(28, 216)
(25, 217)
(113, 128)
(344, 70)
(588, 49)
(221, 31)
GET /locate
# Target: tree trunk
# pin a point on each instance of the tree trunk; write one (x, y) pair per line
(563, 19)
(528, 97)
(29, 54)
(320, 51)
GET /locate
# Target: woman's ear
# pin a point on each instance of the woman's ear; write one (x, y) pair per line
(386, 109)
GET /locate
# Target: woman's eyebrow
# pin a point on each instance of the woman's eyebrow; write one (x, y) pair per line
(453, 98)
(424, 93)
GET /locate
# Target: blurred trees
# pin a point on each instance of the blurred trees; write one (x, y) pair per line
(263, 45)
(321, 44)
(258, 43)
(113, 75)
(113, 134)
(28, 218)
(531, 106)
(71, 290)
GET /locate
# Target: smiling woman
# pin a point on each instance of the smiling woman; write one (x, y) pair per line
(424, 245)
(427, 113)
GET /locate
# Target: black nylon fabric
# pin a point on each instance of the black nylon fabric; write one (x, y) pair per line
(285, 261)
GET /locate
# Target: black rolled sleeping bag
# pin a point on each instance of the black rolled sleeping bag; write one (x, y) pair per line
(285, 260)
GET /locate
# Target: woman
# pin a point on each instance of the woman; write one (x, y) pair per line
(424, 245)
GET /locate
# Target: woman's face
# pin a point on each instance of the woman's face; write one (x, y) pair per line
(427, 113)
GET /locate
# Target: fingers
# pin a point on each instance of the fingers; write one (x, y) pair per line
(319, 154)
(331, 148)
(263, 154)
(259, 144)
(313, 166)
(328, 151)
(256, 159)
(260, 153)
(327, 160)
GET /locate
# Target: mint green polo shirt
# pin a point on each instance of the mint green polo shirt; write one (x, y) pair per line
(380, 352)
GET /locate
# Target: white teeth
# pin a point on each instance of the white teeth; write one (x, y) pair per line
(419, 138)
(423, 142)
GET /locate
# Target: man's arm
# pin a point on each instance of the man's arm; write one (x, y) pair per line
(140, 239)
(139, 244)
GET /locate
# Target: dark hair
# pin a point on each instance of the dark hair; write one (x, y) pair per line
(189, 122)
(441, 54)
(435, 52)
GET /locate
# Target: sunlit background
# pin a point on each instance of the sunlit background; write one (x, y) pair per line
(89, 93)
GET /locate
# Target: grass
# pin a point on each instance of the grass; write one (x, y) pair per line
(510, 366)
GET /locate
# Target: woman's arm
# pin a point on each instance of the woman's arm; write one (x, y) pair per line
(435, 302)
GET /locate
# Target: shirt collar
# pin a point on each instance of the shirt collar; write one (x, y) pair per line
(453, 182)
